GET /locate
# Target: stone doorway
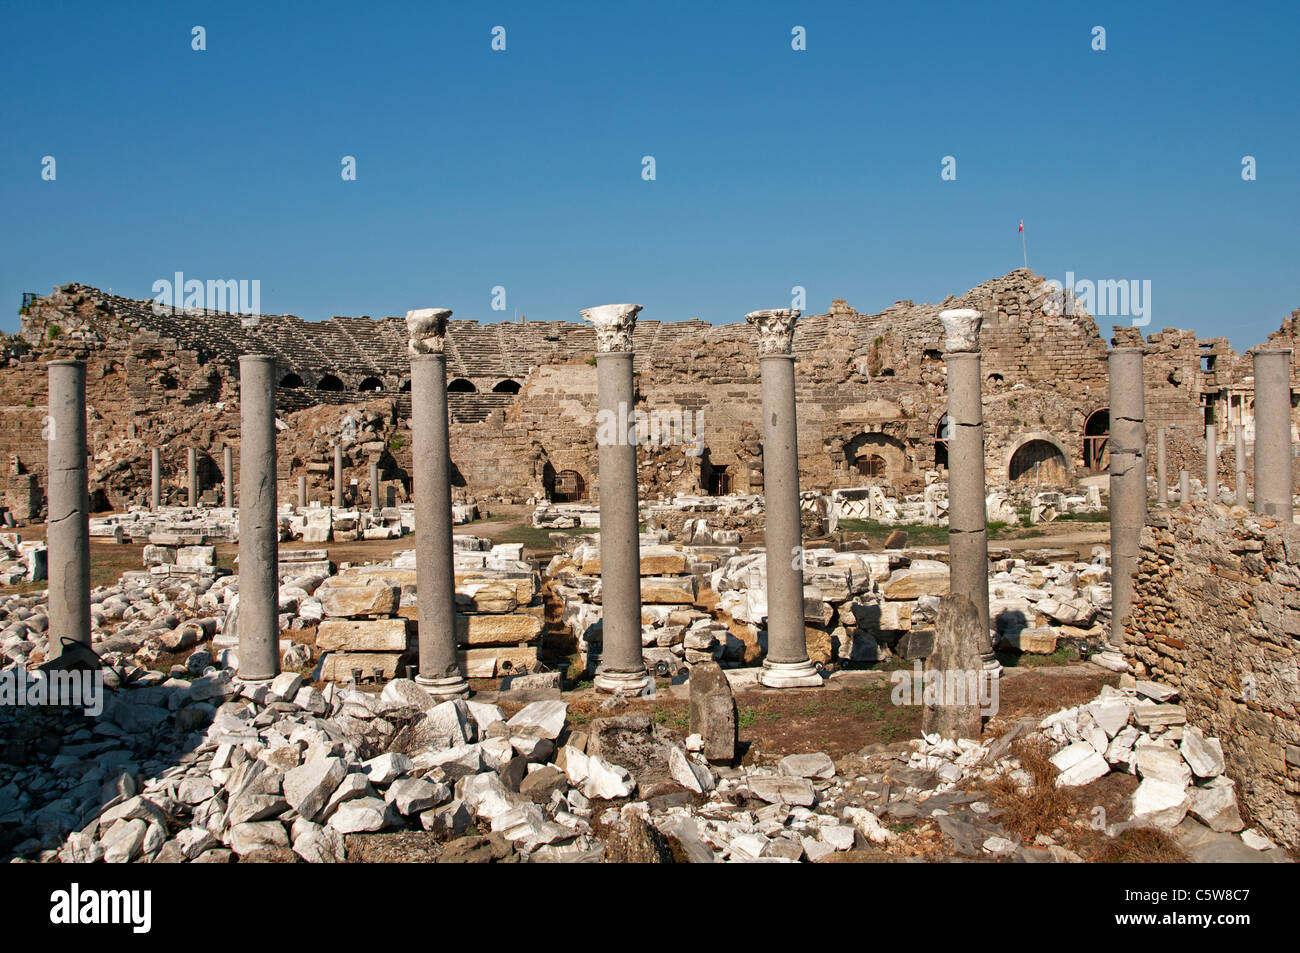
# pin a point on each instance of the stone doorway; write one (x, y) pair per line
(1038, 461)
(1096, 441)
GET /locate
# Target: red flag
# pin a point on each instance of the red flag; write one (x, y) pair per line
(1022, 225)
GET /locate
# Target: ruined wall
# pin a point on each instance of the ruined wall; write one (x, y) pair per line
(1216, 614)
(871, 391)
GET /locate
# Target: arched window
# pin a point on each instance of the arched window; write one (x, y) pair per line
(290, 381)
(506, 387)
(569, 487)
(330, 382)
(941, 443)
(461, 386)
(1096, 439)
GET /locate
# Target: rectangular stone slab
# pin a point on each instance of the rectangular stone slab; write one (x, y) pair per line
(346, 601)
(668, 590)
(338, 666)
(491, 662)
(375, 635)
(477, 630)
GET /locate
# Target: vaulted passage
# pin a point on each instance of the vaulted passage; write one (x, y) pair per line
(1038, 461)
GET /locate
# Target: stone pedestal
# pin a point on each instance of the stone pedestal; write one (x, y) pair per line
(1162, 484)
(968, 539)
(622, 667)
(435, 575)
(155, 478)
(1273, 480)
(1240, 437)
(259, 533)
(228, 475)
(68, 513)
(302, 492)
(192, 476)
(787, 664)
(1211, 464)
(1128, 482)
(338, 475)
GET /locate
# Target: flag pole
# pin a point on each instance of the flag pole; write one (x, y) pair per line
(1023, 247)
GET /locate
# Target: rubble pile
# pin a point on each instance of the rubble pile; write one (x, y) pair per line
(22, 561)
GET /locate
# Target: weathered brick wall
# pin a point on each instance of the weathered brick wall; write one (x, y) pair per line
(1217, 614)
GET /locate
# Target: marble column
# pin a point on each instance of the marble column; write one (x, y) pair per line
(302, 492)
(1128, 483)
(1162, 484)
(1184, 487)
(1273, 480)
(787, 664)
(622, 667)
(259, 585)
(1240, 434)
(374, 483)
(338, 475)
(968, 539)
(228, 475)
(1211, 464)
(68, 508)
(192, 476)
(155, 478)
(435, 573)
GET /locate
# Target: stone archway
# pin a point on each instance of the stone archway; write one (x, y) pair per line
(1096, 441)
(875, 456)
(1039, 458)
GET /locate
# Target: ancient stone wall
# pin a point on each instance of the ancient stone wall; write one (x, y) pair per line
(1216, 614)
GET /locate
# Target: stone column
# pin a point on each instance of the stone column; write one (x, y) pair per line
(1241, 465)
(338, 474)
(1162, 484)
(787, 664)
(1184, 487)
(968, 539)
(1211, 464)
(435, 580)
(1273, 486)
(622, 667)
(302, 492)
(374, 482)
(259, 546)
(192, 478)
(1128, 484)
(228, 475)
(155, 478)
(68, 509)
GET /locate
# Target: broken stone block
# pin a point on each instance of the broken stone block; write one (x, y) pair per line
(1215, 806)
(360, 815)
(692, 776)
(348, 601)
(546, 716)
(817, 765)
(797, 792)
(374, 635)
(668, 590)
(1033, 641)
(248, 837)
(387, 768)
(1079, 764)
(1160, 803)
(713, 712)
(1162, 764)
(1203, 755)
(1150, 714)
(930, 579)
(480, 630)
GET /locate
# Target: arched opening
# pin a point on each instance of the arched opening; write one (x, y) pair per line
(875, 455)
(569, 487)
(941, 443)
(1038, 462)
(461, 386)
(168, 382)
(405, 388)
(506, 387)
(290, 381)
(330, 382)
(1096, 440)
(371, 384)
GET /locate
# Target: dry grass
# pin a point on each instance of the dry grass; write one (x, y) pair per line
(1045, 807)
(1139, 845)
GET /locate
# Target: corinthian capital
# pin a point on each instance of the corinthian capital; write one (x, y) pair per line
(775, 329)
(426, 330)
(962, 330)
(614, 324)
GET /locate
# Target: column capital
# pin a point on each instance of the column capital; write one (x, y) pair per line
(426, 330)
(614, 324)
(961, 328)
(775, 329)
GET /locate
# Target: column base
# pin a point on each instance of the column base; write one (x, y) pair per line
(1110, 658)
(992, 665)
(452, 686)
(790, 675)
(621, 683)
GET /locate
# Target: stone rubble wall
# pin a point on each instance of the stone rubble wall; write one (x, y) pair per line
(1216, 614)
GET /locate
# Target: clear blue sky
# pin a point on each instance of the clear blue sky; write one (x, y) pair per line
(774, 167)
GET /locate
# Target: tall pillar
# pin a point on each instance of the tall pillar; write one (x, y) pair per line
(302, 492)
(338, 474)
(435, 574)
(1211, 464)
(259, 584)
(155, 478)
(1273, 486)
(374, 481)
(968, 538)
(1162, 484)
(622, 667)
(192, 462)
(1128, 483)
(1241, 464)
(787, 664)
(68, 526)
(1184, 486)
(228, 475)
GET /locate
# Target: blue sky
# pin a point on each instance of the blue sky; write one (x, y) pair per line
(774, 167)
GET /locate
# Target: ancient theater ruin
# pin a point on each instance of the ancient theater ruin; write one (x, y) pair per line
(375, 563)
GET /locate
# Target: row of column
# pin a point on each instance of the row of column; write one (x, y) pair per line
(155, 483)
